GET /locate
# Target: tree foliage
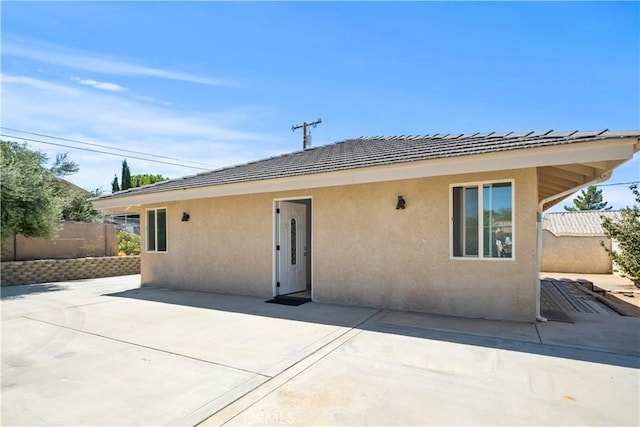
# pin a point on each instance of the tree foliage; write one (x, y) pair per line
(146, 179)
(62, 166)
(131, 181)
(626, 230)
(589, 200)
(29, 203)
(115, 185)
(125, 182)
(128, 243)
(75, 202)
(34, 199)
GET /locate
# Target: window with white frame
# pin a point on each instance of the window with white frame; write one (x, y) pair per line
(482, 220)
(157, 230)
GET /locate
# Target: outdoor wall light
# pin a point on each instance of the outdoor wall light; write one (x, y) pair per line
(401, 203)
(185, 216)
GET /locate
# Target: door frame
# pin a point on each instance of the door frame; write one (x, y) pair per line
(309, 224)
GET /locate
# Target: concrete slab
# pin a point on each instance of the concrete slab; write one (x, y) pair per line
(388, 379)
(59, 376)
(24, 299)
(519, 331)
(104, 352)
(224, 329)
(614, 334)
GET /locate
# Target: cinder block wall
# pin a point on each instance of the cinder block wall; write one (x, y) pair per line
(57, 270)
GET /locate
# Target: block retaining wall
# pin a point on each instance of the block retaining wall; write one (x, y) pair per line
(58, 270)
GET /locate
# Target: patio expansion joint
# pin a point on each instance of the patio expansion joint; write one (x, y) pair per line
(286, 375)
(149, 347)
(535, 325)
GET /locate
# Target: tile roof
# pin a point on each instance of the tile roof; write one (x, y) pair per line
(373, 151)
(578, 223)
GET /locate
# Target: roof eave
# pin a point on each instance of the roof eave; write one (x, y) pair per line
(615, 150)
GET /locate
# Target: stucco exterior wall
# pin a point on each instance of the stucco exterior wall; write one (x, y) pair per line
(365, 252)
(226, 246)
(575, 254)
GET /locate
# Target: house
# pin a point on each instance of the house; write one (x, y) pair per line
(571, 242)
(408, 223)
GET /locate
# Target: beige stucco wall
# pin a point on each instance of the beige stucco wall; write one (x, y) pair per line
(365, 252)
(74, 240)
(575, 254)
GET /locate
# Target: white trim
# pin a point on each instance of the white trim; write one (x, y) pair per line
(146, 229)
(480, 185)
(584, 152)
(274, 260)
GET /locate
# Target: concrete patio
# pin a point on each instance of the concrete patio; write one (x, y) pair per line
(106, 352)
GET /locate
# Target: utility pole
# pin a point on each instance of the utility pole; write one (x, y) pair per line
(305, 137)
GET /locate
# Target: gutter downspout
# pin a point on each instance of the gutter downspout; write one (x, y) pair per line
(565, 193)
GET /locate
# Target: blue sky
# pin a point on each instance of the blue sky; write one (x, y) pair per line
(221, 83)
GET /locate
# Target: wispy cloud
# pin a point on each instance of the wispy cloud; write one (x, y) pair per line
(76, 111)
(37, 83)
(78, 60)
(111, 87)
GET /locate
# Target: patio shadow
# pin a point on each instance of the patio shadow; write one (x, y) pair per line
(543, 338)
(16, 292)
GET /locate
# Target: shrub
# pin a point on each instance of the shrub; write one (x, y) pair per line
(128, 243)
(626, 230)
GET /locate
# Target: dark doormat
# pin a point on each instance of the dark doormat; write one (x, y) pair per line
(556, 316)
(285, 300)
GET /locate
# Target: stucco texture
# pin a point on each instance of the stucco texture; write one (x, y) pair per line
(74, 240)
(575, 254)
(365, 252)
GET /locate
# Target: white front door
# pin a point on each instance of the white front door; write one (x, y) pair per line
(291, 248)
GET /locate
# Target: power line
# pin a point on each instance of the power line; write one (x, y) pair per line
(101, 152)
(101, 146)
(305, 136)
(617, 183)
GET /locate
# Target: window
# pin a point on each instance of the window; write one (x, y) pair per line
(482, 220)
(293, 242)
(157, 230)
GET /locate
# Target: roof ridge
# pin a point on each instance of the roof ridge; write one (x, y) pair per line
(582, 211)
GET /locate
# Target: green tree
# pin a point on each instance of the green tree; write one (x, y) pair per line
(63, 166)
(589, 200)
(146, 179)
(29, 205)
(75, 202)
(626, 230)
(125, 182)
(131, 181)
(128, 243)
(115, 186)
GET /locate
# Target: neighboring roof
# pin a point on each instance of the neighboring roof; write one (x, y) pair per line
(374, 151)
(577, 223)
(70, 185)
